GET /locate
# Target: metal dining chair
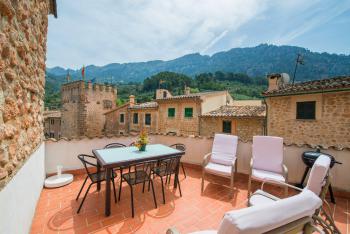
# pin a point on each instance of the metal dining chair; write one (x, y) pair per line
(114, 145)
(94, 177)
(138, 173)
(182, 147)
(166, 168)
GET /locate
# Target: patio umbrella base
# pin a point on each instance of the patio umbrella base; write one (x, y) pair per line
(58, 180)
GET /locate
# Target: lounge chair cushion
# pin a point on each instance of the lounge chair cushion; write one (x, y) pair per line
(224, 149)
(218, 169)
(264, 218)
(318, 174)
(260, 197)
(267, 175)
(268, 153)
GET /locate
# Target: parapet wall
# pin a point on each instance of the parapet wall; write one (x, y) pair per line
(64, 152)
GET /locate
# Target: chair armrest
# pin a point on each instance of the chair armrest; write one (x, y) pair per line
(279, 182)
(206, 159)
(285, 172)
(172, 231)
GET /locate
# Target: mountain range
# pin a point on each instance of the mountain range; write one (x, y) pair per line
(254, 61)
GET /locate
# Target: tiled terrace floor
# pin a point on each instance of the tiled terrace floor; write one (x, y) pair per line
(56, 209)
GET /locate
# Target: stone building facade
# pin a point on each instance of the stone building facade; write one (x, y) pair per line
(244, 121)
(314, 113)
(83, 108)
(117, 120)
(180, 114)
(23, 33)
(143, 116)
(52, 124)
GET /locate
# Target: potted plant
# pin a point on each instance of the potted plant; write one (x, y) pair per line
(142, 141)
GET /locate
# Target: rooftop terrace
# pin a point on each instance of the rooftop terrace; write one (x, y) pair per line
(56, 209)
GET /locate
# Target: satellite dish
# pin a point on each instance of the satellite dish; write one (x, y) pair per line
(285, 78)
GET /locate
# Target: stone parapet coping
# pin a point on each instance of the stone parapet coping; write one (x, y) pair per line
(313, 146)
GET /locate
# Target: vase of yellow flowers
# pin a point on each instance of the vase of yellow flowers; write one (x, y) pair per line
(142, 141)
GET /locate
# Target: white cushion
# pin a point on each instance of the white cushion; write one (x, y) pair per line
(224, 149)
(268, 153)
(318, 174)
(218, 169)
(261, 197)
(264, 218)
(267, 175)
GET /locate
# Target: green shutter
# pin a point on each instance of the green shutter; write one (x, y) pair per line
(147, 119)
(171, 112)
(189, 112)
(121, 119)
(135, 118)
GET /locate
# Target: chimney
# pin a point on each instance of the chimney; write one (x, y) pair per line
(131, 100)
(187, 90)
(162, 93)
(273, 81)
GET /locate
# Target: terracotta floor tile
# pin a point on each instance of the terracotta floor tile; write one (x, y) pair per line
(56, 209)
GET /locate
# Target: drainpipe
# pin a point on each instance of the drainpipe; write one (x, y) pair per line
(265, 120)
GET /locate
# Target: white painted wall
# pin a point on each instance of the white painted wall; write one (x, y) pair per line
(65, 153)
(19, 197)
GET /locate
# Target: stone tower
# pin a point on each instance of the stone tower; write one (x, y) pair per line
(83, 108)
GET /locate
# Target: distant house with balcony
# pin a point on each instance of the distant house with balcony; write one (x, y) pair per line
(313, 112)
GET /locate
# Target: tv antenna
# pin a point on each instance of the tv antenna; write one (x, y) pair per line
(299, 60)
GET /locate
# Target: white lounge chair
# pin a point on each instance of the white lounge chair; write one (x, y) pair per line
(267, 161)
(289, 215)
(222, 160)
(317, 183)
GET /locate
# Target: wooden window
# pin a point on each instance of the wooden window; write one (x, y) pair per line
(147, 119)
(306, 110)
(227, 126)
(164, 94)
(121, 118)
(171, 112)
(52, 121)
(188, 112)
(107, 104)
(52, 135)
(135, 118)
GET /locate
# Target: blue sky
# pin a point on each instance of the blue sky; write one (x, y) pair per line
(107, 31)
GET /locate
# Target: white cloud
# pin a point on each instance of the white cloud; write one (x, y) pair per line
(106, 31)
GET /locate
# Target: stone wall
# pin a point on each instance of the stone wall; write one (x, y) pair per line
(179, 124)
(83, 108)
(113, 125)
(244, 128)
(52, 125)
(330, 128)
(23, 29)
(141, 124)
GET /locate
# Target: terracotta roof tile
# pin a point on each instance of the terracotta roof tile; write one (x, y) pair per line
(192, 95)
(145, 105)
(52, 114)
(237, 111)
(331, 84)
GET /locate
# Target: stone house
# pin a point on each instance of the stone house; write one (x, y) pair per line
(180, 114)
(143, 116)
(52, 124)
(83, 105)
(132, 117)
(244, 119)
(313, 112)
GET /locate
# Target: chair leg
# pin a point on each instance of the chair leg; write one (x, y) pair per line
(132, 200)
(169, 179)
(203, 174)
(81, 189)
(161, 178)
(154, 195)
(120, 188)
(249, 185)
(81, 204)
(178, 183)
(183, 169)
(115, 193)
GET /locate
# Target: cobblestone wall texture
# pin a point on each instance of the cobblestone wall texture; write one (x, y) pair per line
(23, 30)
(331, 128)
